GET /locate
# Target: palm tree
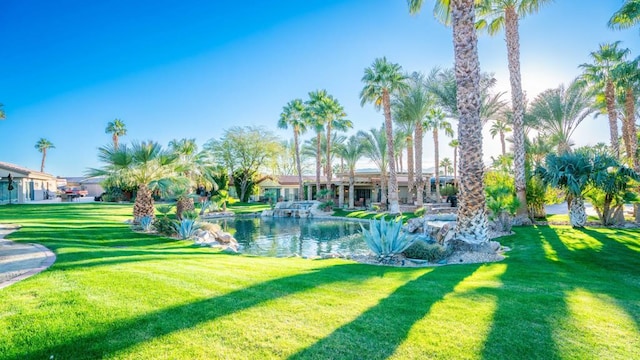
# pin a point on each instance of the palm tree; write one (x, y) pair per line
(116, 128)
(627, 75)
(570, 172)
(376, 149)
(42, 146)
(351, 152)
(186, 151)
(472, 221)
(446, 165)
(2, 114)
(557, 113)
(496, 15)
(411, 109)
(627, 16)
(293, 115)
(436, 121)
(500, 127)
(382, 79)
(598, 76)
(145, 165)
(454, 144)
(538, 148)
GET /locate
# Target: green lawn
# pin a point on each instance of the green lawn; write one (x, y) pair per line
(112, 293)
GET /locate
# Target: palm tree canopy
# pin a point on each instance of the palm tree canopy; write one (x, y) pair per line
(413, 107)
(43, 144)
(491, 13)
(116, 127)
(375, 146)
(499, 126)
(293, 114)
(380, 78)
(2, 114)
(441, 9)
(627, 16)
(557, 112)
(351, 151)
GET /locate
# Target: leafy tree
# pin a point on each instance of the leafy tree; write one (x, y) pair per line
(42, 146)
(382, 79)
(116, 128)
(293, 116)
(244, 151)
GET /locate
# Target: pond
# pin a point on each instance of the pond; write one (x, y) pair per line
(289, 236)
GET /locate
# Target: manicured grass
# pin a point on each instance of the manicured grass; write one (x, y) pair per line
(112, 293)
(366, 214)
(247, 208)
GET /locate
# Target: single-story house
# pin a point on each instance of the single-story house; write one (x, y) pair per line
(28, 185)
(90, 184)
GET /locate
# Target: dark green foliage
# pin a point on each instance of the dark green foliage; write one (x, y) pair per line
(449, 190)
(420, 212)
(164, 226)
(425, 251)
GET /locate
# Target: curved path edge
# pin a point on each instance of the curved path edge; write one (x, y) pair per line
(31, 258)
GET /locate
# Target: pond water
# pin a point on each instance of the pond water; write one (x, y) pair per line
(303, 237)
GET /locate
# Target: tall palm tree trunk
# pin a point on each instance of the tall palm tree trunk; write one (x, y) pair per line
(631, 138)
(609, 94)
(472, 222)
(318, 162)
(419, 177)
(44, 157)
(328, 173)
(436, 159)
(114, 137)
(513, 54)
(502, 142)
(394, 206)
(143, 205)
(455, 164)
(410, 174)
(296, 144)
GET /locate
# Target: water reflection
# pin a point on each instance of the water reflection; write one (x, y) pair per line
(287, 236)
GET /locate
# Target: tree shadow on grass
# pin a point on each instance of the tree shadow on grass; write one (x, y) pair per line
(535, 288)
(119, 335)
(379, 331)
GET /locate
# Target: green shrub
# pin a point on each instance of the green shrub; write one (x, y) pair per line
(425, 251)
(386, 239)
(190, 214)
(449, 190)
(420, 212)
(164, 226)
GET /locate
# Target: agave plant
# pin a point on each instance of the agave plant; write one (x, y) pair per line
(145, 223)
(386, 239)
(186, 228)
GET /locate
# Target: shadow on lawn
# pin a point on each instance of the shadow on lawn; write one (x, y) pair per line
(541, 283)
(119, 335)
(378, 332)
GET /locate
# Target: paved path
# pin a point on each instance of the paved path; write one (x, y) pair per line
(18, 261)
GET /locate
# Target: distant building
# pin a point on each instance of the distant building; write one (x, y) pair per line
(89, 184)
(28, 185)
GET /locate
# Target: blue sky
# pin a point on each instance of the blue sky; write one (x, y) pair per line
(174, 69)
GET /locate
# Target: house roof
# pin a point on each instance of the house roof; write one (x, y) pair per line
(21, 171)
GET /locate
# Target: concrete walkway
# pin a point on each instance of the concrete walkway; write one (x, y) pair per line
(19, 261)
